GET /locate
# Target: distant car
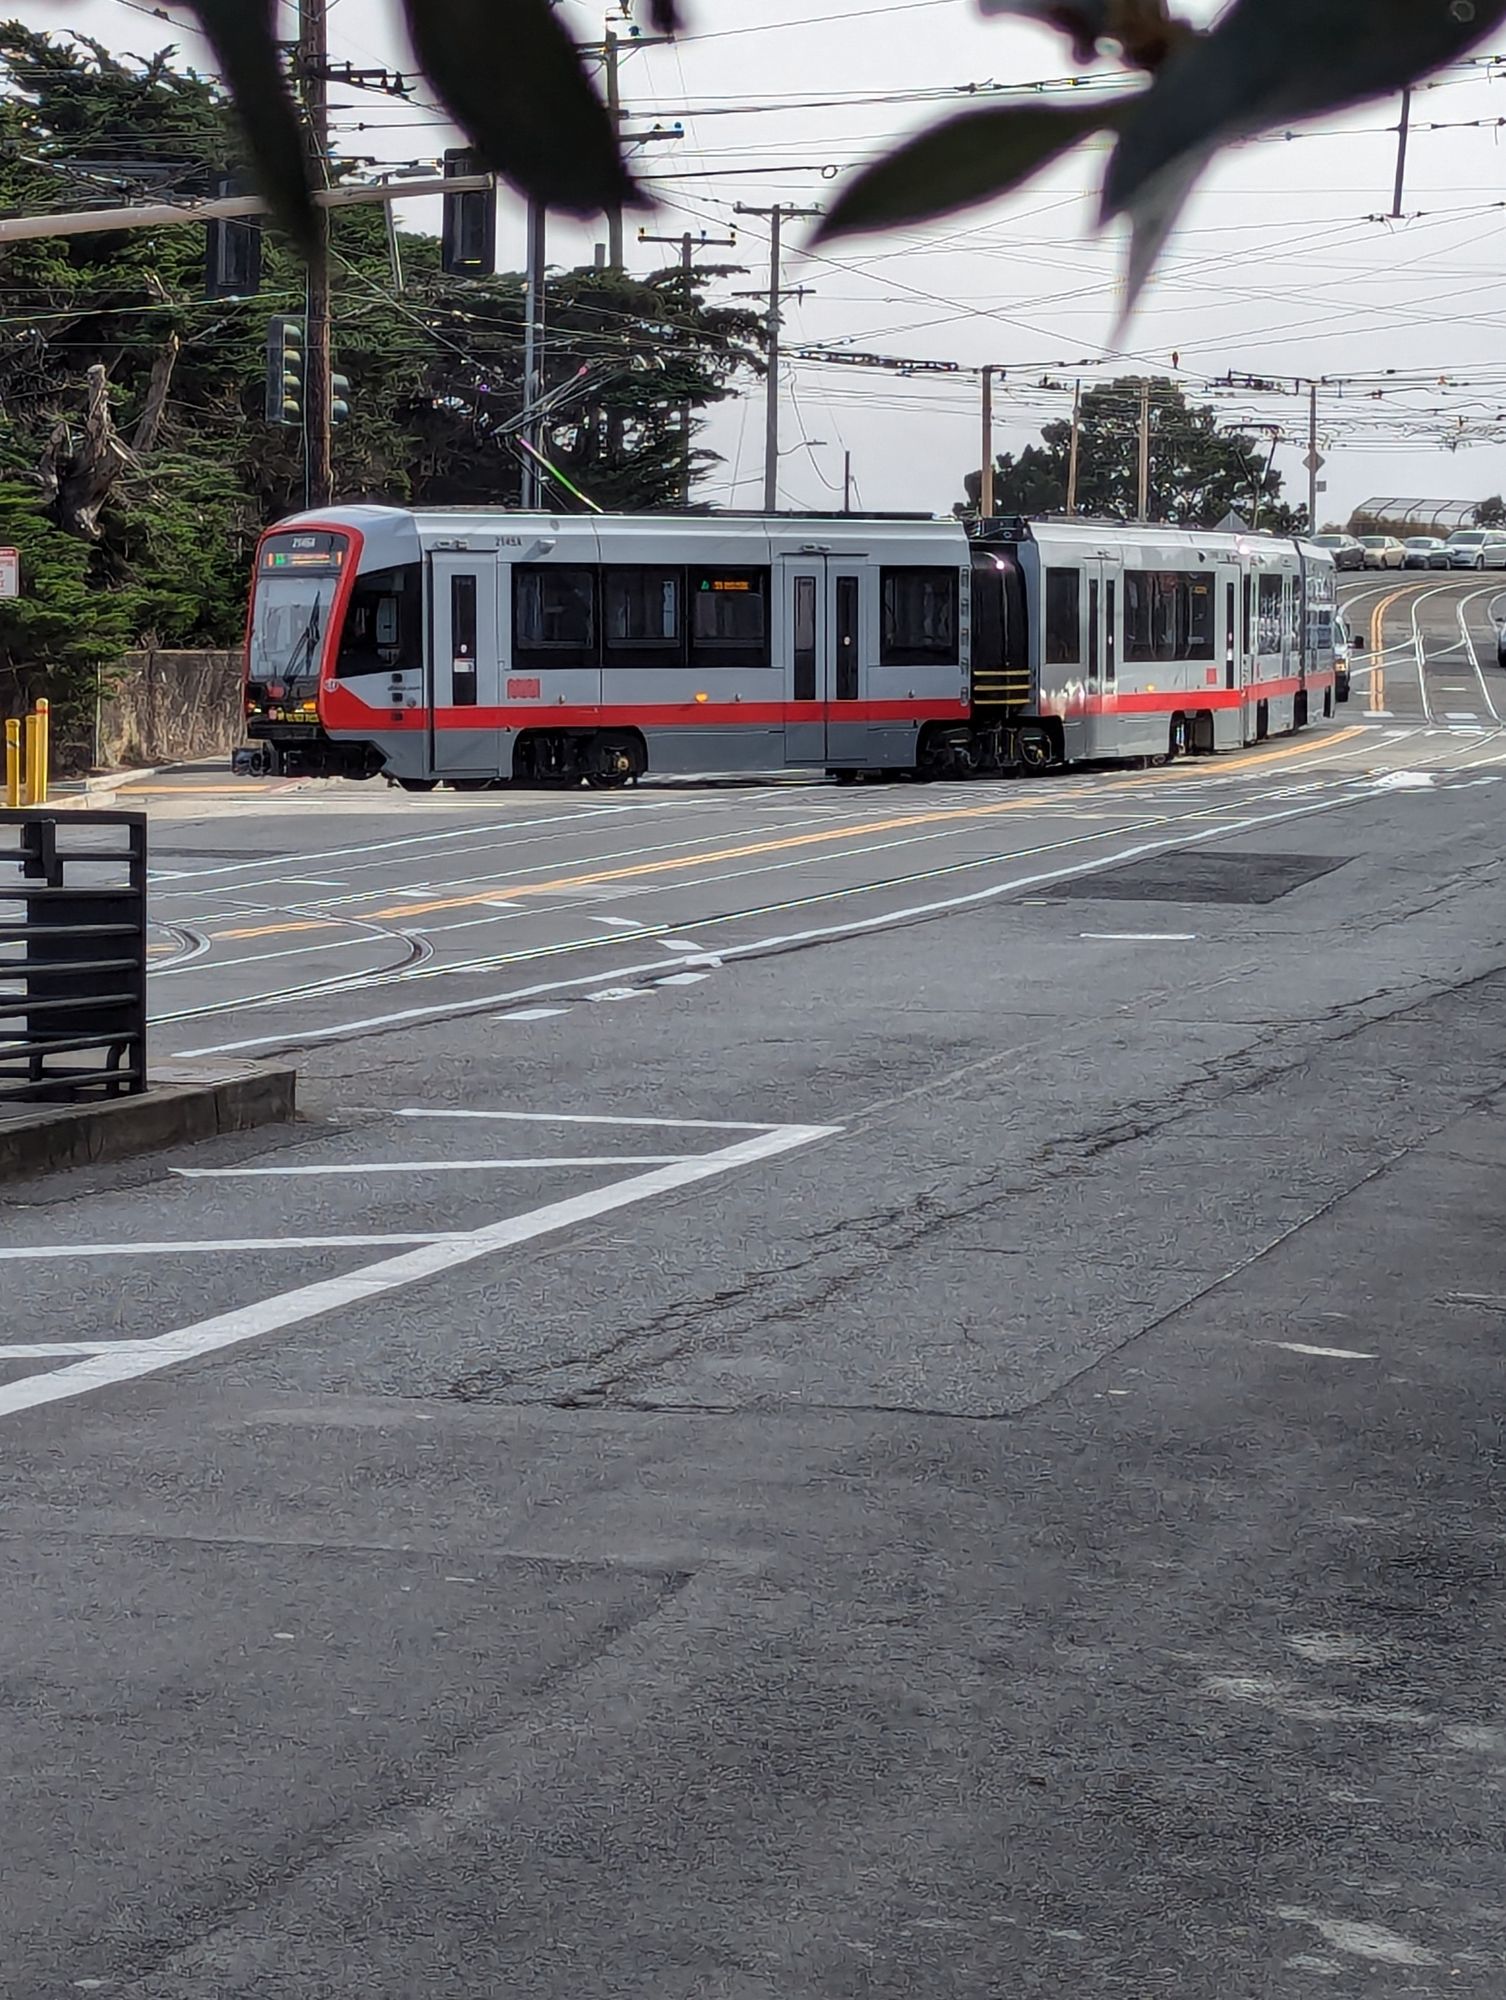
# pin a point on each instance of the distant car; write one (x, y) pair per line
(1464, 546)
(1426, 552)
(1347, 553)
(1492, 553)
(1382, 552)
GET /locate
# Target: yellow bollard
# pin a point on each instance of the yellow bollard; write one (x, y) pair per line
(38, 775)
(31, 755)
(13, 762)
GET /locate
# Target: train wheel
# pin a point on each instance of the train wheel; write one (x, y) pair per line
(1034, 749)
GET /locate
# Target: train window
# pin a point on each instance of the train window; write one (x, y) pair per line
(383, 625)
(1199, 630)
(1093, 631)
(1168, 615)
(918, 617)
(554, 615)
(1271, 619)
(1249, 614)
(1111, 641)
(463, 641)
(849, 670)
(1063, 617)
(729, 617)
(805, 638)
(640, 617)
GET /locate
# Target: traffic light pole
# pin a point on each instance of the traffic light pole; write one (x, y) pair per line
(313, 65)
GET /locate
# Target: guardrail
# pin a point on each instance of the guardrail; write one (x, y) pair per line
(72, 956)
(26, 778)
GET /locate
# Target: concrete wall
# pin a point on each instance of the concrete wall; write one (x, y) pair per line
(171, 708)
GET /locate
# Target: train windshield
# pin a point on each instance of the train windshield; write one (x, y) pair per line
(297, 576)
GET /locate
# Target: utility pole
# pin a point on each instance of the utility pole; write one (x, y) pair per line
(612, 58)
(313, 68)
(1072, 452)
(533, 350)
(609, 50)
(1143, 513)
(847, 482)
(688, 245)
(1314, 458)
(1403, 132)
(776, 217)
(986, 490)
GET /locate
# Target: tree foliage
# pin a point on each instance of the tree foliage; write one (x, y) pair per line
(1199, 472)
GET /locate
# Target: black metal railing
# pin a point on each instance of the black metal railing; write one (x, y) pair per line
(72, 956)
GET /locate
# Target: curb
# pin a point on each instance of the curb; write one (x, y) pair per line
(80, 793)
(185, 1102)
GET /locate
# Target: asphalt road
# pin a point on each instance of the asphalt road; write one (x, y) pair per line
(840, 1393)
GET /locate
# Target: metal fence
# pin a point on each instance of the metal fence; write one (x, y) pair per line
(72, 956)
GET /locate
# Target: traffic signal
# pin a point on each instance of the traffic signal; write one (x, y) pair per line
(339, 399)
(232, 252)
(287, 371)
(469, 243)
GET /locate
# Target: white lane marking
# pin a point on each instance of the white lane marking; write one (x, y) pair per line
(616, 993)
(1403, 781)
(62, 1350)
(856, 927)
(1467, 716)
(535, 1014)
(682, 944)
(594, 1118)
(1320, 1353)
(420, 1167)
(221, 1247)
(1384, 714)
(683, 979)
(1139, 937)
(498, 903)
(617, 923)
(392, 1274)
(381, 847)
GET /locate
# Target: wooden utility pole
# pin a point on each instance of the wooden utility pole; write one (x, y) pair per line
(1072, 453)
(318, 393)
(1143, 512)
(986, 490)
(776, 217)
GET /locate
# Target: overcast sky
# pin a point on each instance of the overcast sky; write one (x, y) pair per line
(1284, 267)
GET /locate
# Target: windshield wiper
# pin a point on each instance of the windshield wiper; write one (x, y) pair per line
(305, 643)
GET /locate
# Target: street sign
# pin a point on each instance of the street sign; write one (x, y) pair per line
(10, 572)
(1314, 462)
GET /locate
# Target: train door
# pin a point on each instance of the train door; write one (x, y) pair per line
(822, 618)
(803, 645)
(465, 665)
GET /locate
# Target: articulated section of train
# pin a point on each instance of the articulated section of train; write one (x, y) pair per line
(486, 647)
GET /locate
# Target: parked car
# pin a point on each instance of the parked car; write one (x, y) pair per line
(1464, 545)
(1492, 554)
(1347, 553)
(1382, 552)
(1426, 552)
